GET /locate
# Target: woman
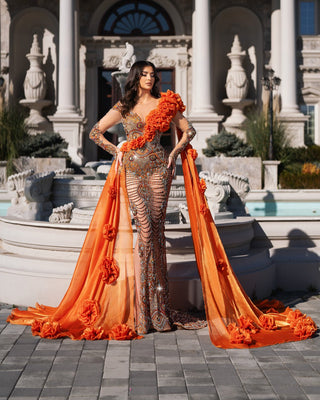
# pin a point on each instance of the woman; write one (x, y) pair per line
(118, 293)
(148, 176)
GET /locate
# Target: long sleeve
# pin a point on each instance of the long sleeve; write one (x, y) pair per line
(187, 135)
(97, 136)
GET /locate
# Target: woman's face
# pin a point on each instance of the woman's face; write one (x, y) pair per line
(147, 78)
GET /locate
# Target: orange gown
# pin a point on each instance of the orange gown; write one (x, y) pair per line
(106, 297)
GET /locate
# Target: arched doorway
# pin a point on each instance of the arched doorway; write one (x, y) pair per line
(132, 18)
(246, 24)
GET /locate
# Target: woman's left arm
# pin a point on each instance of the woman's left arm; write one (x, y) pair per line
(188, 133)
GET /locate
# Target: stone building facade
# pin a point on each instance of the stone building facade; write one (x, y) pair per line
(82, 43)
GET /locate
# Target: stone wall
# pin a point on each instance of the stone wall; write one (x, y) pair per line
(249, 167)
(39, 164)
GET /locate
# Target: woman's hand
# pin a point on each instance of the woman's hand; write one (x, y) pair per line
(118, 160)
(172, 163)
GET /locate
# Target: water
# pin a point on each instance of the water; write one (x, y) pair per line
(255, 209)
(283, 209)
(4, 205)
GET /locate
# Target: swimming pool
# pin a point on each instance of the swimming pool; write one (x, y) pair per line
(283, 208)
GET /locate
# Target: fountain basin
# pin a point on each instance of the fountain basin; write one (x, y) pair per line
(37, 260)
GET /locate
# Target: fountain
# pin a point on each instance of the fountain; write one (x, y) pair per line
(41, 254)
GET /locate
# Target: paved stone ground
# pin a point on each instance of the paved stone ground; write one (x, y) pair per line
(166, 366)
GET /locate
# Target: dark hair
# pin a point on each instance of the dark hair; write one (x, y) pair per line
(131, 89)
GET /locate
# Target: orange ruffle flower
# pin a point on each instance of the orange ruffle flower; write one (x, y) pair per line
(293, 317)
(122, 332)
(221, 265)
(89, 312)
(46, 329)
(202, 185)
(305, 328)
(267, 322)
(109, 232)
(157, 120)
(112, 192)
(246, 324)
(92, 333)
(50, 329)
(238, 335)
(193, 153)
(203, 209)
(36, 326)
(109, 271)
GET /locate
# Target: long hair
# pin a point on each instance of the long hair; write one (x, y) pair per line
(131, 89)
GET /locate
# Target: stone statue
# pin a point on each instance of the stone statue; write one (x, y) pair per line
(127, 59)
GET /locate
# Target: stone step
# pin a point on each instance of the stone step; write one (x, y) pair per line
(298, 268)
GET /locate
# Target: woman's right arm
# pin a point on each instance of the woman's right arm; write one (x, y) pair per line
(112, 117)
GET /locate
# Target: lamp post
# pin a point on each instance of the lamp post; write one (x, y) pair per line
(270, 83)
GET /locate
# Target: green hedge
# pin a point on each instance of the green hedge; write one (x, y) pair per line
(292, 180)
(48, 144)
(228, 144)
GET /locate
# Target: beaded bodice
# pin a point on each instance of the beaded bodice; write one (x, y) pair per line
(151, 155)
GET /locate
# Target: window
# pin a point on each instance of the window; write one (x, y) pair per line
(309, 127)
(307, 17)
(136, 18)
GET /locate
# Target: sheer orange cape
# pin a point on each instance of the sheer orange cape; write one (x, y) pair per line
(99, 303)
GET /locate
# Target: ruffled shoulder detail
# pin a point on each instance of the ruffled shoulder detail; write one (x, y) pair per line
(175, 98)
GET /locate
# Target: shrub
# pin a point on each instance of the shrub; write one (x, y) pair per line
(257, 128)
(13, 131)
(46, 144)
(301, 154)
(298, 176)
(228, 144)
(310, 168)
(290, 180)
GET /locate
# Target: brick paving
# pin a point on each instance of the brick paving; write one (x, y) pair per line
(177, 365)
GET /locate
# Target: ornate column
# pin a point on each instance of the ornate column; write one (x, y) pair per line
(67, 121)
(205, 119)
(275, 60)
(290, 114)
